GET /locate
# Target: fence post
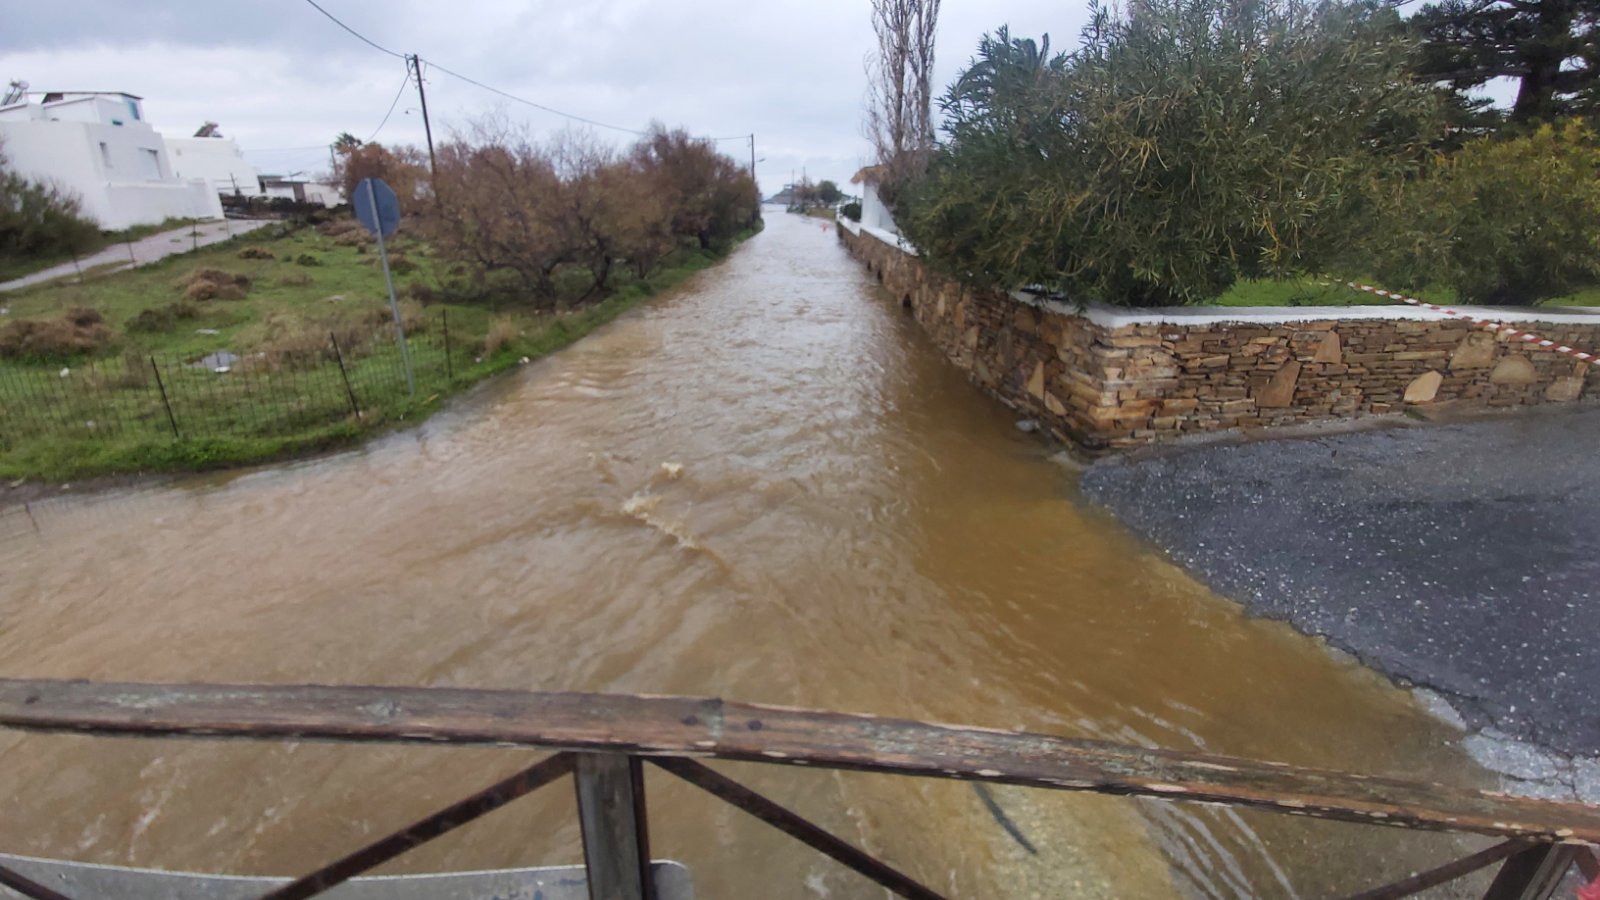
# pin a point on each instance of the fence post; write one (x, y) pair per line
(171, 419)
(444, 319)
(349, 391)
(611, 815)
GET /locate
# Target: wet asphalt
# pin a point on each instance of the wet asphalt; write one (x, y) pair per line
(1463, 558)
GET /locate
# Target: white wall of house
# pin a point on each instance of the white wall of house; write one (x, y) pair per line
(317, 192)
(99, 147)
(218, 160)
(873, 213)
(325, 192)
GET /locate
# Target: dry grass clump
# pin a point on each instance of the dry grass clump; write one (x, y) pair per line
(413, 317)
(163, 318)
(420, 292)
(286, 340)
(254, 252)
(213, 284)
(133, 373)
(346, 232)
(80, 330)
(502, 331)
(295, 279)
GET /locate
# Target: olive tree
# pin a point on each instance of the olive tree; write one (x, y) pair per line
(1184, 144)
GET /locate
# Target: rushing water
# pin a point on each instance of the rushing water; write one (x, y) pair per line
(853, 527)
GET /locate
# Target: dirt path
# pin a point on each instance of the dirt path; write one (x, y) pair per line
(143, 251)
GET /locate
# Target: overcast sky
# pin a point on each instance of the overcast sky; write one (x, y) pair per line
(284, 80)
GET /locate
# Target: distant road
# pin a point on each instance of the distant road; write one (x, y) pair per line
(145, 250)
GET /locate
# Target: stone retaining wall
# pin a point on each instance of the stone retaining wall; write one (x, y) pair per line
(1120, 378)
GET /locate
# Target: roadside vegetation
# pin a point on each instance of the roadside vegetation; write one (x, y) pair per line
(1197, 151)
(282, 341)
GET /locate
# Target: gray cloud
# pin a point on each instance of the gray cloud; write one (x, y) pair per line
(284, 80)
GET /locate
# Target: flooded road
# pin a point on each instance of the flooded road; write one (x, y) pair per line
(766, 487)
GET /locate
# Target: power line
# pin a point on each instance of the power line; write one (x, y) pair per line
(288, 149)
(540, 106)
(490, 88)
(363, 38)
(404, 82)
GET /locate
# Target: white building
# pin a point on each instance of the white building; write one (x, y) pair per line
(874, 214)
(216, 159)
(98, 145)
(301, 190)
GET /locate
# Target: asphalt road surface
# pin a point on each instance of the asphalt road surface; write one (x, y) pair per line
(1463, 558)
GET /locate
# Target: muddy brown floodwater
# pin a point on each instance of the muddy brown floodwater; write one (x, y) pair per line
(853, 527)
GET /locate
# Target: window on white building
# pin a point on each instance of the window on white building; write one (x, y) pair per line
(105, 155)
(151, 163)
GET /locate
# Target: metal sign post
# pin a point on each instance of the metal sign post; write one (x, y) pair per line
(381, 215)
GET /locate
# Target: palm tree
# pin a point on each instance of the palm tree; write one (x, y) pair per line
(1006, 68)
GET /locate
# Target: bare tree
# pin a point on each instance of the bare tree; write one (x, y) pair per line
(900, 86)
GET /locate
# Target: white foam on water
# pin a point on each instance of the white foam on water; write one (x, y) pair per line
(642, 506)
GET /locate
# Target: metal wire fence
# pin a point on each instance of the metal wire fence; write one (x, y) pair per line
(151, 397)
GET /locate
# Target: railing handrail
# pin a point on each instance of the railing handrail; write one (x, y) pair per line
(709, 727)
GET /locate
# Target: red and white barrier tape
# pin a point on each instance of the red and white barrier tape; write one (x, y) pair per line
(1499, 327)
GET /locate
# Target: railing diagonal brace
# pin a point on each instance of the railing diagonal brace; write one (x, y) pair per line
(423, 830)
(27, 887)
(1448, 872)
(795, 826)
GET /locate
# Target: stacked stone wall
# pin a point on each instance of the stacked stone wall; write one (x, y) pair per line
(1113, 386)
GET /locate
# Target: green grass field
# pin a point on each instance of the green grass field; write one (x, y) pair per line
(1327, 292)
(114, 409)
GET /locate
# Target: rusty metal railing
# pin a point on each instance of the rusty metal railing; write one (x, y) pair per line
(604, 741)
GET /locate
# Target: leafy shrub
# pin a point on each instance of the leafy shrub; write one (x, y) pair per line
(163, 318)
(1511, 221)
(851, 211)
(1184, 145)
(41, 219)
(306, 259)
(80, 330)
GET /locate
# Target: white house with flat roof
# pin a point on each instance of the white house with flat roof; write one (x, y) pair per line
(216, 159)
(99, 146)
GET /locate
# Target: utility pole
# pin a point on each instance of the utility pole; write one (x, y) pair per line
(427, 127)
